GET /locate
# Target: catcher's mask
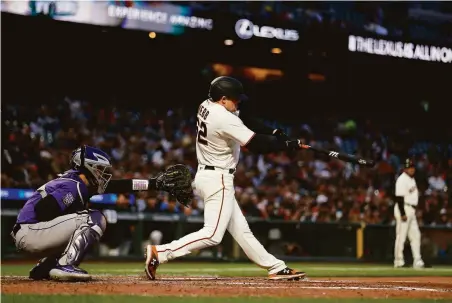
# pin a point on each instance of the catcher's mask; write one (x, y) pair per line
(94, 164)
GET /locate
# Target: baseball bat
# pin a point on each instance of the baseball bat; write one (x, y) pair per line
(341, 156)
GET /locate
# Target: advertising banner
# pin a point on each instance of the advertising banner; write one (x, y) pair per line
(139, 15)
(399, 49)
(247, 29)
(25, 194)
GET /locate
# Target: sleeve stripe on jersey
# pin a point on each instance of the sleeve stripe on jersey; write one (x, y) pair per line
(249, 140)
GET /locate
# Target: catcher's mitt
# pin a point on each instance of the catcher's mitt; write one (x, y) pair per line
(177, 180)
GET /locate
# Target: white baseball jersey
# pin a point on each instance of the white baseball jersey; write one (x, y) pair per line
(406, 187)
(220, 135)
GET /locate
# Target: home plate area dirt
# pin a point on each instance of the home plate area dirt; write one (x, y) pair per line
(413, 287)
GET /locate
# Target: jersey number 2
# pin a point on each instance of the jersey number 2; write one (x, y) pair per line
(202, 132)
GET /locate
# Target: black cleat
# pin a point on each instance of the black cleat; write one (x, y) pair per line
(287, 274)
(41, 271)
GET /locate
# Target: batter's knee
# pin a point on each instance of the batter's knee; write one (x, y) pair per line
(98, 219)
(215, 237)
(213, 241)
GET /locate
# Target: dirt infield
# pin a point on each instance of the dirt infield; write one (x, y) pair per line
(417, 287)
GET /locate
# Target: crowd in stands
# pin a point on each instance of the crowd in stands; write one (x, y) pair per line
(36, 144)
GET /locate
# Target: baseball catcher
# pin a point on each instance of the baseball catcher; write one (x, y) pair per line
(56, 225)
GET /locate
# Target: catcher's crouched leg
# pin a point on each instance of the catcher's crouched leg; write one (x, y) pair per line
(41, 271)
(79, 245)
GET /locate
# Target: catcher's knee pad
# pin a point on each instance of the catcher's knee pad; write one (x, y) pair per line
(93, 218)
(98, 219)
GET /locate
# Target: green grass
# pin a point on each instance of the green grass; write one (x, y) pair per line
(223, 269)
(138, 299)
(245, 269)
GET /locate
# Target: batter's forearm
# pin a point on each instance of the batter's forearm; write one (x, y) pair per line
(130, 185)
(264, 144)
(401, 205)
(256, 125)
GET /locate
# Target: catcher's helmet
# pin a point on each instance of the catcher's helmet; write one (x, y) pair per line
(228, 87)
(409, 163)
(94, 163)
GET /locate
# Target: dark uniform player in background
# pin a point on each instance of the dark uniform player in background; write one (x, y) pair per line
(55, 224)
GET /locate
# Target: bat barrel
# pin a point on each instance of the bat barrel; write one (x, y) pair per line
(341, 156)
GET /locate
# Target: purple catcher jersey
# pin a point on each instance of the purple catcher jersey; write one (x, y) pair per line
(67, 190)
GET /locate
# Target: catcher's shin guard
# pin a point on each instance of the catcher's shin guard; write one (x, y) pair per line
(81, 242)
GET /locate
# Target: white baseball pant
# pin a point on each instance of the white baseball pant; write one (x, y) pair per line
(221, 212)
(408, 228)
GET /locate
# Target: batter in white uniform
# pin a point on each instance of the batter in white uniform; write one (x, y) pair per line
(221, 133)
(407, 197)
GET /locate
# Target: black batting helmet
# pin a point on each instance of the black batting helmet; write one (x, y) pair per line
(228, 87)
(409, 163)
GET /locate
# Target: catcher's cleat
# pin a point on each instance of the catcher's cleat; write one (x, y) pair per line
(287, 274)
(41, 271)
(152, 261)
(69, 273)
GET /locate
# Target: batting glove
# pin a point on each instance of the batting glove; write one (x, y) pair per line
(280, 135)
(293, 144)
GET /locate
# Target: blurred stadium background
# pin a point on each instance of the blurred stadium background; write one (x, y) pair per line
(369, 78)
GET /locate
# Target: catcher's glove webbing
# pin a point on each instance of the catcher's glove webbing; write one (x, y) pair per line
(177, 181)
